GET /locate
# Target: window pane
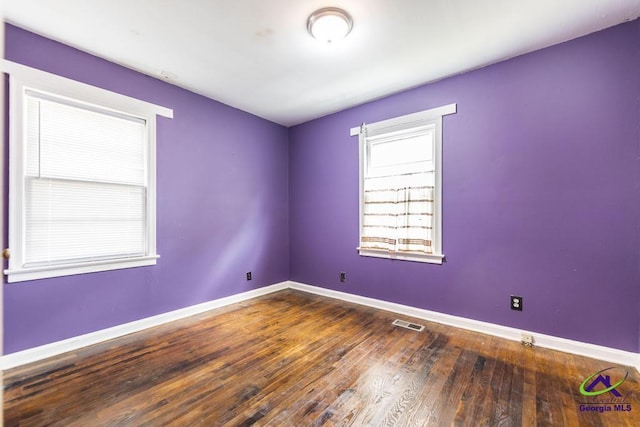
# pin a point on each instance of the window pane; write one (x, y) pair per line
(75, 143)
(33, 137)
(402, 150)
(75, 220)
(82, 178)
(400, 193)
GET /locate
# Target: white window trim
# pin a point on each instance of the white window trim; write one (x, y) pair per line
(414, 120)
(23, 78)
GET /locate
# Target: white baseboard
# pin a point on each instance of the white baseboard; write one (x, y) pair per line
(56, 348)
(555, 343)
(541, 340)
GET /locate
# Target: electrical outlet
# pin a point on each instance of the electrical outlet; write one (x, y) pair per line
(526, 339)
(249, 275)
(343, 276)
(516, 302)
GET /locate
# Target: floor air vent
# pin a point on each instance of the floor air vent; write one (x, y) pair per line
(408, 325)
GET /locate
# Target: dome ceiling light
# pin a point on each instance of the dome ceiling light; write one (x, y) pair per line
(329, 24)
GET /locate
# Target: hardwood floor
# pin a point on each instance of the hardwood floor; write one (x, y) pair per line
(295, 359)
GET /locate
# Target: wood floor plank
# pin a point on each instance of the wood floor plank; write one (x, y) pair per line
(529, 398)
(296, 359)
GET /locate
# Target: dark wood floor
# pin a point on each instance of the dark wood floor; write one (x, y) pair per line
(294, 359)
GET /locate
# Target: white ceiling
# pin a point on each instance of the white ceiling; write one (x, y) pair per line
(256, 55)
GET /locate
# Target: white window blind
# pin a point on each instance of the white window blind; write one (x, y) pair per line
(401, 186)
(82, 177)
(85, 184)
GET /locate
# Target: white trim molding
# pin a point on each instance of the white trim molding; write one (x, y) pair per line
(27, 85)
(74, 89)
(541, 340)
(421, 126)
(379, 253)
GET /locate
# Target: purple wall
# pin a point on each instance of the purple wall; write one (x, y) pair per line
(222, 209)
(541, 196)
(541, 199)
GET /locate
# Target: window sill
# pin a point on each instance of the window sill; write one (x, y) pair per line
(33, 273)
(415, 257)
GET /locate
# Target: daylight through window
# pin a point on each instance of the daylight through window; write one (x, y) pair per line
(400, 186)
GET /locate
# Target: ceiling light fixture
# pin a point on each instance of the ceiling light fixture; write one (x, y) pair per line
(329, 24)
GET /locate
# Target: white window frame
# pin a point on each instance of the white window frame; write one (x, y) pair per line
(431, 117)
(22, 79)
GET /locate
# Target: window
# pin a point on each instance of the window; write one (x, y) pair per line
(401, 186)
(82, 178)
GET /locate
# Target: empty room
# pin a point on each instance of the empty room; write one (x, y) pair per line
(306, 213)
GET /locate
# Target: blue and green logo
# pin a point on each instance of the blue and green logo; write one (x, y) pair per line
(600, 382)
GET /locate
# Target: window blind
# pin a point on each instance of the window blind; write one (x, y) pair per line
(85, 183)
